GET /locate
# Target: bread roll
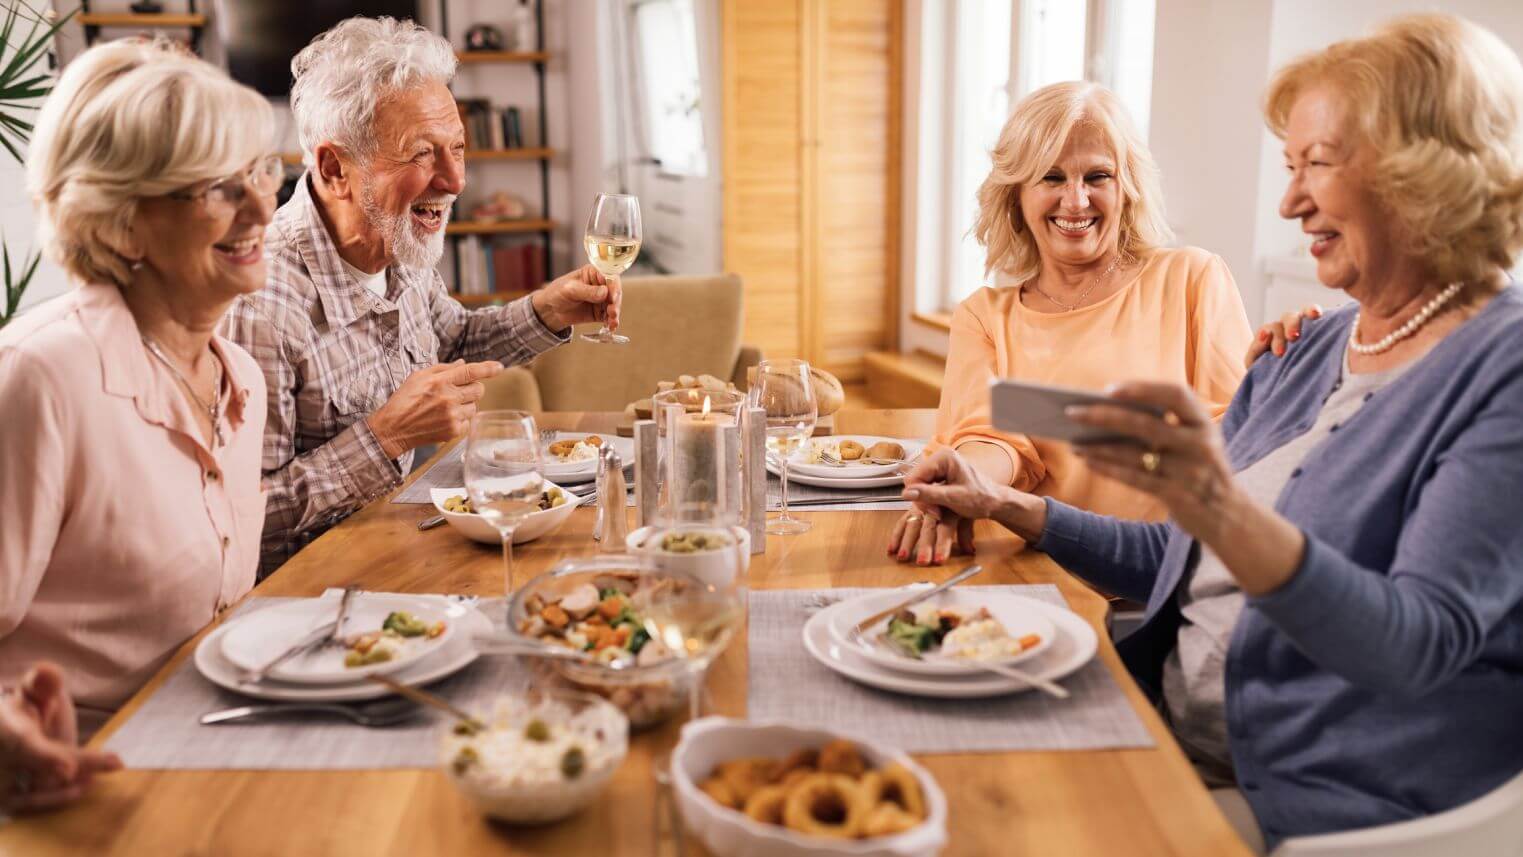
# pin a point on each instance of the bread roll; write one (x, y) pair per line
(886, 449)
(827, 389)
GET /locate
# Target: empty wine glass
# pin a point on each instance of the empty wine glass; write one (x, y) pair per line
(785, 389)
(504, 475)
(612, 242)
(694, 614)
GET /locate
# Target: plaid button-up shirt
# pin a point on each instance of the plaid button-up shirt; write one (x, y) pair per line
(332, 353)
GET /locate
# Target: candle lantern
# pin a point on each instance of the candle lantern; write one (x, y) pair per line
(699, 439)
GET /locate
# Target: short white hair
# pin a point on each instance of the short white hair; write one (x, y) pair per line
(130, 120)
(346, 72)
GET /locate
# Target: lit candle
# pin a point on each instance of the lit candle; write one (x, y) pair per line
(699, 481)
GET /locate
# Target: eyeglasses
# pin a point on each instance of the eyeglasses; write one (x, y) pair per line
(226, 194)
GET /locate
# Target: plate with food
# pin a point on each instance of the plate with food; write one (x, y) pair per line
(854, 457)
(452, 656)
(555, 505)
(573, 456)
(1073, 645)
(790, 791)
(377, 636)
(949, 634)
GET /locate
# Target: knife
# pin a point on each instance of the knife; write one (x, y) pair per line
(845, 501)
(918, 597)
(314, 637)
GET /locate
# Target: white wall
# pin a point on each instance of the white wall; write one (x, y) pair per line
(1223, 172)
(1210, 63)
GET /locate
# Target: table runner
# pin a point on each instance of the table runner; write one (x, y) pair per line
(164, 732)
(785, 683)
(449, 472)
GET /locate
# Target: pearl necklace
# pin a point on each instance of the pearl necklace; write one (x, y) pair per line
(1076, 304)
(1413, 324)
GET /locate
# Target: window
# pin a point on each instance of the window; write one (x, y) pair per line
(666, 67)
(996, 53)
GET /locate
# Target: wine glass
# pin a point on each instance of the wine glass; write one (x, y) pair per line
(785, 389)
(612, 242)
(694, 615)
(504, 475)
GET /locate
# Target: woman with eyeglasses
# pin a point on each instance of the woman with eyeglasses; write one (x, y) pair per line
(129, 452)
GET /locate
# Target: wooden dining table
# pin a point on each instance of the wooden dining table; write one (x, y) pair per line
(1051, 803)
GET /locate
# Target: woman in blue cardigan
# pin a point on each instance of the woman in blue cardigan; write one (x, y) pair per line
(1333, 620)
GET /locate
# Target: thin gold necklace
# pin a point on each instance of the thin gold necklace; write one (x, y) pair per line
(214, 409)
(1080, 302)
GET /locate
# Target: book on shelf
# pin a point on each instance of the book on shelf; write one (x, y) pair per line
(512, 129)
(498, 266)
(476, 116)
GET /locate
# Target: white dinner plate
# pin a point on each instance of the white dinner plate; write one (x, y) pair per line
(798, 464)
(456, 654)
(571, 472)
(849, 484)
(1020, 616)
(1074, 646)
(255, 639)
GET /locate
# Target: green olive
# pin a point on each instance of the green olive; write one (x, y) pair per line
(537, 730)
(573, 763)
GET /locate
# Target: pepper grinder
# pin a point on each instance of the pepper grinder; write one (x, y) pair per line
(612, 526)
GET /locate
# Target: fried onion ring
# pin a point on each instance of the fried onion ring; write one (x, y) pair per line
(896, 785)
(766, 804)
(887, 819)
(826, 805)
(745, 776)
(842, 757)
(715, 788)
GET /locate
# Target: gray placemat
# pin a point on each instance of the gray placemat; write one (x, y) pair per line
(786, 683)
(449, 472)
(164, 732)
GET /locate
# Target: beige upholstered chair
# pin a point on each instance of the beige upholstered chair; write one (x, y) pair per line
(676, 325)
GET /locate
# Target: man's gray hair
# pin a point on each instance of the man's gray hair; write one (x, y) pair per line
(344, 73)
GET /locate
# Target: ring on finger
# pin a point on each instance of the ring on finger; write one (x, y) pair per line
(1152, 461)
(911, 519)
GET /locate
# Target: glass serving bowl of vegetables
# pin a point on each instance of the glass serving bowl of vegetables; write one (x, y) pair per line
(588, 605)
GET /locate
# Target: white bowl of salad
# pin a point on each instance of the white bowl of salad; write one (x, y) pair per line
(555, 507)
(543, 755)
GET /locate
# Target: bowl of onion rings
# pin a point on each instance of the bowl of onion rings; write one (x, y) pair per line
(750, 789)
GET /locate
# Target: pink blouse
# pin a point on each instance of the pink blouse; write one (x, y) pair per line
(122, 534)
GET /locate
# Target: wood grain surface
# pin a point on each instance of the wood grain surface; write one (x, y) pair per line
(1055, 804)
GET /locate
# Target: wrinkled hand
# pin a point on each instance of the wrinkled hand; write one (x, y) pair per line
(39, 745)
(433, 405)
(1277, 335)
(1190, 471)
(580, 296)
(949, 496)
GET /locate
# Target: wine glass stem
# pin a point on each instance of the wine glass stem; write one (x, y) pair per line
(695, 696)
(783, 489)
(507, 561)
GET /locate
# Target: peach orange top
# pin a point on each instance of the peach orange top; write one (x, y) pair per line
(1179, 319)
(124, 534)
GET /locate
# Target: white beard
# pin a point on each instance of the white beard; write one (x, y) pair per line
(409, 248)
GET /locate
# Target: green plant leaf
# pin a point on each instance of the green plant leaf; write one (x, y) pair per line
(30, 49)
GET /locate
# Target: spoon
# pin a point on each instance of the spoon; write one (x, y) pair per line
(426, 698)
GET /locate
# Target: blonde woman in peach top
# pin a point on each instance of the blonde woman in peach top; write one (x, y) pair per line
(1072, 215)
(130, 448)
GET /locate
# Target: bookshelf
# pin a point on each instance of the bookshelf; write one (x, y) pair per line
(542, 226)
(189, 19)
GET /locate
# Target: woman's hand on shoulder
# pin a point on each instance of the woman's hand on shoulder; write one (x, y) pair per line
(1276, 336)
(42, 765)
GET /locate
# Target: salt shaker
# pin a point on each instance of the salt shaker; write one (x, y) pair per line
(611, 527)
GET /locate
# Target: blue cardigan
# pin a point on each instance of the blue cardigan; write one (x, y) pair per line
(1384, 681)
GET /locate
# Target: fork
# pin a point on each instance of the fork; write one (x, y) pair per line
(384, 713)
(546, 436)
(336, 637)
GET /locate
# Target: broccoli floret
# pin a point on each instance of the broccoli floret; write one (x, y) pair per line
(637, 640)
(404, 623)
(912, 635)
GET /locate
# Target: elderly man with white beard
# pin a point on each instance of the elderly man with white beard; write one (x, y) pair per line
(365, 354)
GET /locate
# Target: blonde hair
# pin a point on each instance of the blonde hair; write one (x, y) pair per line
(1031, 141)
(1440, 100)
(129, 120)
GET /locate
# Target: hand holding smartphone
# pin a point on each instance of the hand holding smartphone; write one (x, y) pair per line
(1038, 410)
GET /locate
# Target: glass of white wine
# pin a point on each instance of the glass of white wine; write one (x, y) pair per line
(504, 475)
(692, 616)
(613, 243)
(785, 389)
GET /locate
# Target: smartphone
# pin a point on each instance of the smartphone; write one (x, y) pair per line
(1037, 410)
